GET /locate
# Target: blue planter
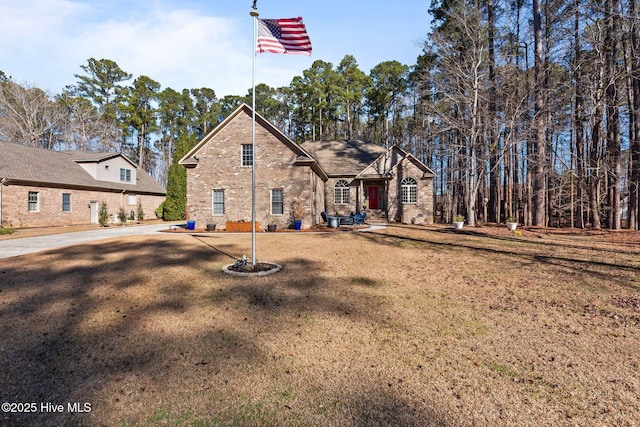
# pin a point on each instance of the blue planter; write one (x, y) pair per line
(297, 224)
(191, 225)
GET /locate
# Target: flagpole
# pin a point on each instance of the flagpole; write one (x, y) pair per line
(254, 14)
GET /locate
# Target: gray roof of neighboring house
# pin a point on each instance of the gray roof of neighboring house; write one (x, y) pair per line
(30, 165)
(344, 157)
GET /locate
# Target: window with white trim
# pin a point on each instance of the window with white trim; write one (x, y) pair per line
(217, 198)
(341, 193)
(409, 187)
(277, 201)
(66, 202)
(125, 175)
(34, 205)
(247, 154)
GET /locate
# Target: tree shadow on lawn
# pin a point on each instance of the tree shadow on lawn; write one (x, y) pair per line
(519, 255)
(634, 248)
(68, 317)
(81, 320)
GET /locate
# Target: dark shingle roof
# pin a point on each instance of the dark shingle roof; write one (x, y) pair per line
(61, 169)
(344, 157)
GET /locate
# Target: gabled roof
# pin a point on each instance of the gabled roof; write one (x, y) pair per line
(303, 157)
(85, 157)
(382, 166)
(35, 166)
(344, 157)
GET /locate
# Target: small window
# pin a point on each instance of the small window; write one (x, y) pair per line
(409, 188)
(33, 201)
(247, 154)
(341, 192)
(277, 202)
(66, 202)
(133, 199)
(125, 175)
(218, 202)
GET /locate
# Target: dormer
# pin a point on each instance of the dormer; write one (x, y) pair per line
(110, 168)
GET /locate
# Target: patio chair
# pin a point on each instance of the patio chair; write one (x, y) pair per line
(324, 216)
(359, 218)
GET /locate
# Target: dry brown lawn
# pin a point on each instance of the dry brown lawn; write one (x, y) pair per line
(405, 326)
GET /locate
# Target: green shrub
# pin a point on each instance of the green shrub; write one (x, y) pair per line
(175, 205)
(6, 231)
(174, 209)
(160, 211)
(103, 214)
(122, 215)
(140, 212)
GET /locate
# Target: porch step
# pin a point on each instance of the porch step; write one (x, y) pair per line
(376, 216)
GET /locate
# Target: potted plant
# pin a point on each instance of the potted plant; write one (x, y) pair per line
(271, 226)
(458, 222)
(512, 223)
(297, 212)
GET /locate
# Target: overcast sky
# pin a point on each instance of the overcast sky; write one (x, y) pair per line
(198, 43)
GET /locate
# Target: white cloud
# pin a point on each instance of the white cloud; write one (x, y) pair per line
(44, 43)
(176, 48)
(29, 36)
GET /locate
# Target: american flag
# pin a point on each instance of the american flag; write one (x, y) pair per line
(288, 35)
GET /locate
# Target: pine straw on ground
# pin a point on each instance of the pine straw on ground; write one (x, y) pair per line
(406, 326)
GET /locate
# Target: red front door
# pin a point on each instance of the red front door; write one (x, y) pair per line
(373, 197)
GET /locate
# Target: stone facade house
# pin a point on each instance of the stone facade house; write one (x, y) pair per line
(51, 188)
(331, 176)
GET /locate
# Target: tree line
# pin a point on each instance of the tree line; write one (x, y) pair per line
(526, 110)
(104, 111)
(531, 110)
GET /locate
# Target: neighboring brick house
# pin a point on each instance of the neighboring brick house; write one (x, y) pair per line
(49, 188)
(331, 176)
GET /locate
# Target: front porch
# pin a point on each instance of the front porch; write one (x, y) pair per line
(371, 195)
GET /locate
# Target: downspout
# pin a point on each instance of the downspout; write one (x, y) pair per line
(2, 184)
(121, 201)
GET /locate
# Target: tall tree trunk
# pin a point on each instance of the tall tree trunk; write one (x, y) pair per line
(494, 149)
(518, 183)
(613, 114)
(634, 181)
(594, 165)
(539, 122)
(578, 118)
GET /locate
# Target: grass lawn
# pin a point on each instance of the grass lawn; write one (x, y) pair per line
(405, 326)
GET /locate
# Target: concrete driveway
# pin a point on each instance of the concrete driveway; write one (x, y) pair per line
(15, 247)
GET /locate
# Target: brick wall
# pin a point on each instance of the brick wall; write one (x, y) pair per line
(220, 168)
(342, 209)
(15, 206)
(416, 213)
(390, 191)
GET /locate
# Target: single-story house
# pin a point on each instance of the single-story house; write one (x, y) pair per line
(49, 188)
(343, 177)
